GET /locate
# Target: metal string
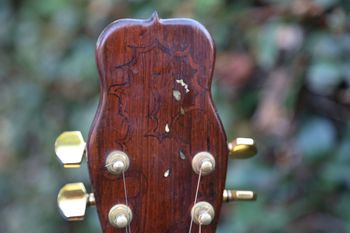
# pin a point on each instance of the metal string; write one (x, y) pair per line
(197, 190)
(127, 229)
(125, 191)
(196, 197)
(191, 225)
(109, 164)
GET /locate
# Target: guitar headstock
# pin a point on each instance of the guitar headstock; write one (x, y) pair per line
(157, 152)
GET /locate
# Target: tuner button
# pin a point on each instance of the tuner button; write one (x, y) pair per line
(69, 148)
(202, 213)
(117, 162)
(238, 195)
(203, 162)
(72, 200)
(120, 216)
(242, 148)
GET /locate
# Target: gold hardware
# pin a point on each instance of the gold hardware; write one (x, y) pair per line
(117, 162)
(238, 195)
(69, 148)
(202, 213)
(203, 162)
(72, 200)
(120, 216)
(242, 148)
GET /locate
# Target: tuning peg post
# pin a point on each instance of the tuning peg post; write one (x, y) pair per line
(242, 148)
(72, 201)
(70, 148)
(238, 195)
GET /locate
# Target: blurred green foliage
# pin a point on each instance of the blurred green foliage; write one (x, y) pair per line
(282, 77)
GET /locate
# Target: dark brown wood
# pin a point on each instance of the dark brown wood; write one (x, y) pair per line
(143, 66)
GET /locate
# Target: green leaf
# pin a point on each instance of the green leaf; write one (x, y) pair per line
(316, 137)
(324, 77)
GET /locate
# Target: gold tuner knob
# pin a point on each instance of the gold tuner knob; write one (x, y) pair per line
(70, 148)
(238, 195)
(72, 200)
(242, 148)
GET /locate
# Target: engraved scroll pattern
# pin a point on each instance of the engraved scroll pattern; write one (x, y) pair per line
(173, 80)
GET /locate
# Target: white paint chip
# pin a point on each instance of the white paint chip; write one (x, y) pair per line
(177, 95)
(182, 83)
(167, 173)
(167, 129)
(182, 110)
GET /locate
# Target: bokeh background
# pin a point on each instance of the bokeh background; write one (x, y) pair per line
(282, 76)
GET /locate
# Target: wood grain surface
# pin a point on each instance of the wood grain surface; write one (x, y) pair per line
(155, 105)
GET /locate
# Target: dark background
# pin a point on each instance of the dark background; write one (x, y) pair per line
(282, 76)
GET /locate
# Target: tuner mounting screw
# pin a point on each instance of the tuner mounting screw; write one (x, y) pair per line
(204, 163)
(120, 216)
(202, 213)
(117, 162)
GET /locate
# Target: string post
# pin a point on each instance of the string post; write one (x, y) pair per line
(203, 163)
(117, 162)
(203, 213)
(120, 216)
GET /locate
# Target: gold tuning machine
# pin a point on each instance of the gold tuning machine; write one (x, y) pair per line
(72, 201)
(70, 148)
(242, 148)
(238, 195)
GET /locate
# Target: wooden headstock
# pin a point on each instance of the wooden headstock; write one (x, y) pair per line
(157, 151)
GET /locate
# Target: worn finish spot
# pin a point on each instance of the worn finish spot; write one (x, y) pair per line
(182, 110)
(177, 95)
(167, 173)
(182, 155)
